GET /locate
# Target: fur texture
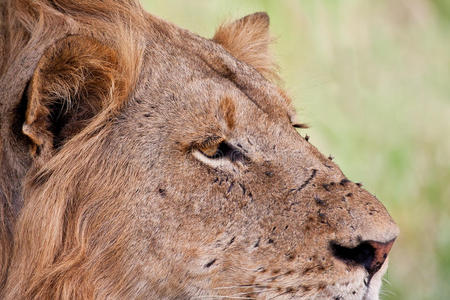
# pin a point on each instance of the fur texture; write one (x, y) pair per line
(248, 39)
(141, 161)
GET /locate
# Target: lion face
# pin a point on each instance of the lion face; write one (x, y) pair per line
(240, 204)
(188, 181)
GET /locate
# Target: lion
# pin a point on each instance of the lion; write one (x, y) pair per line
(141, 161)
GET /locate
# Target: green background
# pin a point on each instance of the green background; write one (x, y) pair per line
(372, 79)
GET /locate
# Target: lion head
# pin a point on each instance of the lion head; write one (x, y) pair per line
(142, 161)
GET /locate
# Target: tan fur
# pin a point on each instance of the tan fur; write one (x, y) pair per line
(248, 40)
(228, 109)
(140, 161)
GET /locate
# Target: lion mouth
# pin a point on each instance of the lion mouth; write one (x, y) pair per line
(374, 283)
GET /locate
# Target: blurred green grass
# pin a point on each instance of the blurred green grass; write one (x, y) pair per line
(372, 78)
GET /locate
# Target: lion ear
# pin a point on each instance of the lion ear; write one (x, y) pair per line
(69, 87)
(248, 40)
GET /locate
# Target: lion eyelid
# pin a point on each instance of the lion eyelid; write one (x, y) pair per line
(226, 151)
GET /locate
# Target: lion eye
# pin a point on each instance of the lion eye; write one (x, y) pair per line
(219, 150)
(211, 151)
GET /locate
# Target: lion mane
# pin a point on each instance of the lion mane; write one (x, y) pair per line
(28, 28)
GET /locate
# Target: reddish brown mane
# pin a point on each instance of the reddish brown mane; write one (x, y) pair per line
(27, 28)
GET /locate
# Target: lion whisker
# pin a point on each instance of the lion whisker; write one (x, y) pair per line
(241, 286)
(232, 287)
(385, 292)
(221, 297)
(254, 292)
(276, 296)
(385, 280)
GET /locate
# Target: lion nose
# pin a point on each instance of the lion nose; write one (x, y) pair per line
(369, 254)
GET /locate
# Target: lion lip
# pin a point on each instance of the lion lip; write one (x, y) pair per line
(373, 283)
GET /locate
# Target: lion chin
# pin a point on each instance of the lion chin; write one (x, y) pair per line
(142, 161)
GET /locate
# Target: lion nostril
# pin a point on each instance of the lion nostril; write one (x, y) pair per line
(369, 254)
(363, 254)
